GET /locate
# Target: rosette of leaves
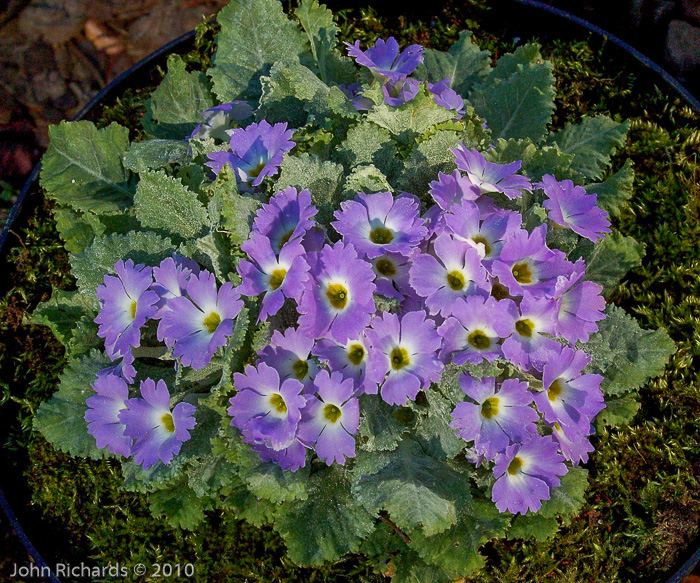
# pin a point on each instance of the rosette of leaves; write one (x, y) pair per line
(409, 500)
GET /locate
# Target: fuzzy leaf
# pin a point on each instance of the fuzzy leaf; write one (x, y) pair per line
(591, 142)
(465, 64)
(410, 568)
(155, 154)
(253, 36)
(548, 160)
(432, 428)
(367, 143)
(368, 179)
(625, 354)
(175, 107)
(82, 167)
(179, 504)
(328, 524)
(567, 499)
(614, 193)
(164, 204)
(425, 162)
(61, 420)
(75, 228)
(379, 427)
(533, 526)
(209, 475)
(619, 411)
(63, 312)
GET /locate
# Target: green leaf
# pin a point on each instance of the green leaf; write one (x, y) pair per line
(520, 105)
(619, 411)
(367, 143)
(82, 167)
(465, 64)
(380, 430)
(256, 511)
(410, 568)
(61, 420)
(157, 477)
(417, 490)
(411, 119)
(591, 142)
(614, 193)
(368, 179)
(209, 475)
(235, 353)
(175, 107)
(179, 504)
(155, 154)
(164, 204)
(328, 524)
(507, 65)
(548, 160)
(90, 267)
(567, 499)
(426, 161)
(432, 428)
(254, 35)
(533, 526)
(75, 228)
(625, 354)
(63, 313)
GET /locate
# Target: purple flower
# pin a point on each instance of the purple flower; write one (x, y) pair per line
(157, 431)
(454, 272)
(569, 398)
(391, 274)
(329, 422)
(127, 303)
(170, 280)
(451, 189)
(266, 412)
(491, 177)
(350, 359)
(376, 224)
(404, 355)
(290, 459)
(525, 473)
(338, 298)
(219, 118)
(573, 445)
(447, 97)
(277, 277)
(102, 415)
(256, 152)
(287, 217)
(570, 206)
(354, 94)
(124, 368)
(497, 418)
(396, 93)
(197, 324)
(384, 59)
(527, 346)
(475, 329)
(290, 355)
(579, 305)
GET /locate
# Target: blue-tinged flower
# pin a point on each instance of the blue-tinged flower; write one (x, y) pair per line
(199, 323)
(384, 59)
(290, 459)
(451, 189)
(571, 206)
(447, 97)
(277, 277)
(525, 473)
(338, 299)
(256, 152)
(404, 355)
(396, 93)
(290, 355)
(489, 176)
(528, 346)
(569, 398)
(378, 223)
(287, 217)
(526, 263)
(127, 303)
(330, 419)
(454, 272)
(124, 368)
(475, 329)
(220, 118)
(497, 417)
(157, 431)
(354, 94)
(170, 280)
(579, 305)
(391, 274)
(574, 446)
(350, 359)
(102, 415)
(266, 411)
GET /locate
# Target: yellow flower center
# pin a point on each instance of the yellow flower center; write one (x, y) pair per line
(278, 403)
(255, 172)
(489, 408)
(385, 267)
(168, 423)
(455, 280)
(522, 273)
(356, 354)
(301, 369)
(485, 243)
(133, 310)
(524, 327)
(337, 295)
(277, 278)
(555, 390)
(399, 358)
(211, 322)
(285, 238)
(515, 465)
(479, 340)
(381, 236)
(332, 413)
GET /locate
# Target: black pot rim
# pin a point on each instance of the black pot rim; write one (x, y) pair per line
(116, 84)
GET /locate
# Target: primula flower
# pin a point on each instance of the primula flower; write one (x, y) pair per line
(451, 189)
(256, 152)
(404, 355)
(454, 272)
(498, 417)
(569, 398)
(127, 303)
(124, 368)
(330, 420)
(157, 431)
(102, 415)
(525, 474)
(287, 217)
(354, 94)
(290, 355)
(579, 305)
(574, 446)
(291, 458)
(475, 329)
(200, 322)
(396, 93)
(350, 359)
(384, 59)
(219, 118)
(277, 277)
(489, 176)
(376, 224)
(338, 298)
(170, 280)
(571, 206)
(447, 97)
(266, 411)
(391, 274)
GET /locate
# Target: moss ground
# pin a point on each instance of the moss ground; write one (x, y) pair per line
(643, 507)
